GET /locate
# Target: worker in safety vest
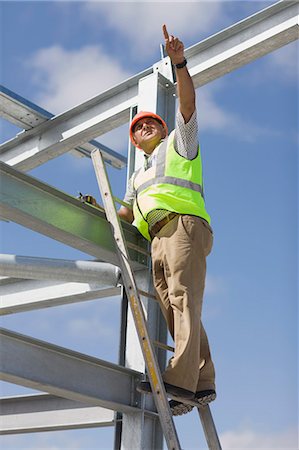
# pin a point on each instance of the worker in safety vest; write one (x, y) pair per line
(168, 208)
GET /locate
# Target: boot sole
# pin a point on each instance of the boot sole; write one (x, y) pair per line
(180, 408)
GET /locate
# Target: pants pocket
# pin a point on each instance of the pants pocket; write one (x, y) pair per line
(188, 226)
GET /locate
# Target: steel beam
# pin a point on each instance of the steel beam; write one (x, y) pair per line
(59, 269)
(21, 112)
(27, 295)
(87, 280)
(138, 430)
(27, 115)
(44, 412)
(64, 373)
(244, 42)
(42, 208)
(221, 53)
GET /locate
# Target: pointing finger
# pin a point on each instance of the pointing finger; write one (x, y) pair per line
(165, 32)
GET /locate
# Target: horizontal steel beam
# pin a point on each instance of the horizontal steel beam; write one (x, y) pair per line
(26, 295)
(53, 138)
(20, 111)
(35, 268)
(44, 412)
(87, 280)
(221, 53)
(64, 373)
(27, 115)
(244, 42)
(42, 208)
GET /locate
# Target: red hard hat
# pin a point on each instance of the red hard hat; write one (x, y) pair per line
(141, 115)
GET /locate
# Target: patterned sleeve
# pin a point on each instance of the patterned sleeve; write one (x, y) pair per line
(186, 136)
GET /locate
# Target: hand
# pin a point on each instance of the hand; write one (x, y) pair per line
(88, 199)
(174, 47)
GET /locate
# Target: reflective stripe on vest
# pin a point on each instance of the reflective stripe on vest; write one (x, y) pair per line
(171, 180)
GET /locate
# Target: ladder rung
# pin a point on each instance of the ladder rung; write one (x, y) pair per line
(138, 249)
(164, 346)
(121, 202)
(147, 294)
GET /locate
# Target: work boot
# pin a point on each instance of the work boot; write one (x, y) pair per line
(145, 388)
(178, 408)
(205, 397)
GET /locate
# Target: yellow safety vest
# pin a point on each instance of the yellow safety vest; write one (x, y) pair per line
(174, 183)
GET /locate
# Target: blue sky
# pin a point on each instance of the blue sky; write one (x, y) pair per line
(58, 54)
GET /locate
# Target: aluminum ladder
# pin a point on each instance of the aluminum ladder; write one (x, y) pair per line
(132, 291)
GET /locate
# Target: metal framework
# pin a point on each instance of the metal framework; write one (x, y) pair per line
(49, 412)
(74, 400)
(34, 283)
(210, 59)
(27, 115)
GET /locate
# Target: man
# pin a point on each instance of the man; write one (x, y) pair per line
(168, 208)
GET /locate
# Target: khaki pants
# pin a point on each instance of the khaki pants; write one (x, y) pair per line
(179, 253)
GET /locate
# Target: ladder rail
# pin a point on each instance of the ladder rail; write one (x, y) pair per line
(154, 373)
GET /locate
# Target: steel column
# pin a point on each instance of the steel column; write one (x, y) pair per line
(156, 93)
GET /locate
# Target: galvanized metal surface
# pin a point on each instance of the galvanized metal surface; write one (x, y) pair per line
(42, 208)
(61, 372)
(245, 41)
(44, 412)
(209, 428)
(19, 295)
(19, 111)
(59, 269)
(27, 115)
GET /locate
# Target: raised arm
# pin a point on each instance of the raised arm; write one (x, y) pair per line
(185, 87)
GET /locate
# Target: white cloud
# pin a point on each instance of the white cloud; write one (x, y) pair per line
(210, 114)
(250, 439)
(66, 78)
(215, 285)
(141, 22)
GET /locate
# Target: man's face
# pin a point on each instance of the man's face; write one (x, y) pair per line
(148, 133)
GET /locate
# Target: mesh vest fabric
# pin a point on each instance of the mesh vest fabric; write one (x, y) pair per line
(174, 184)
